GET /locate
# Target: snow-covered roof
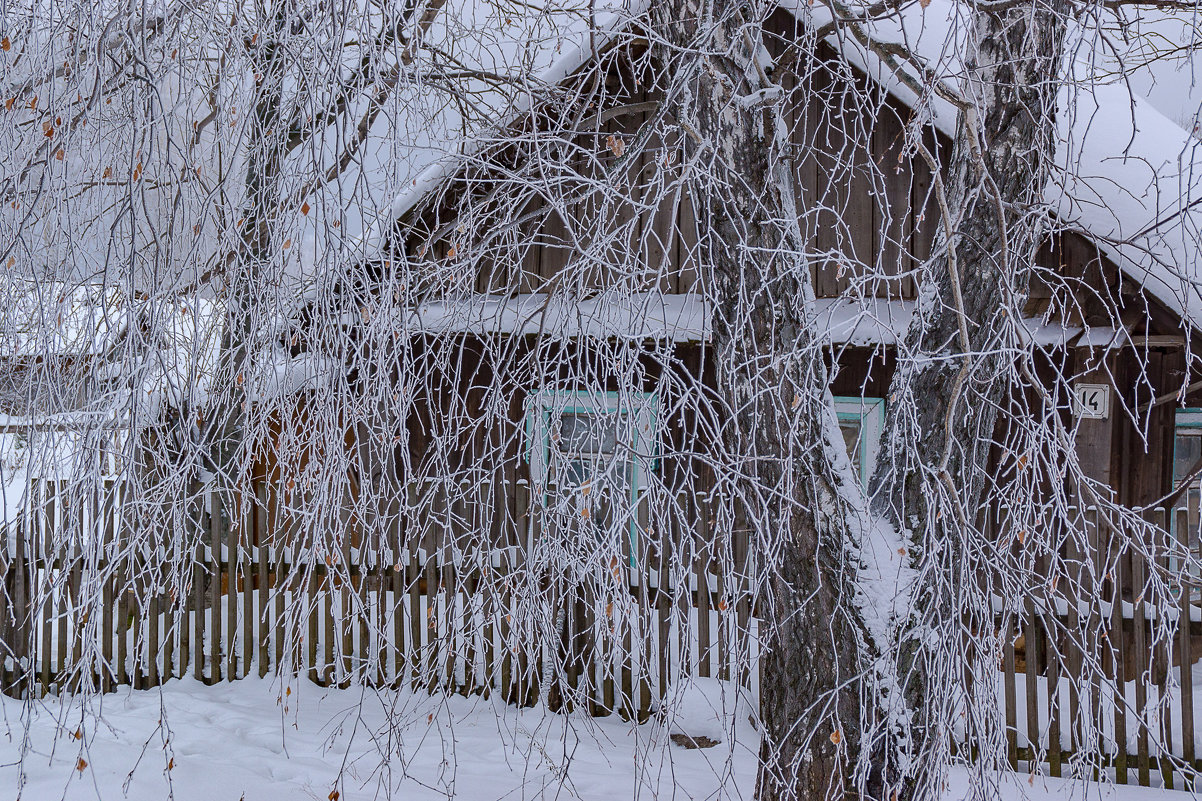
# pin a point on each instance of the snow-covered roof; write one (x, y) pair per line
(644, 315)
(858, 322)
(1124, 165)
(1127, 175)
(162, 353)
(58, 319)
(580, 29)
(478, 63)
(427, 132)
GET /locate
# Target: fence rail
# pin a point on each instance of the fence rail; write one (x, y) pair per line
(400, 611)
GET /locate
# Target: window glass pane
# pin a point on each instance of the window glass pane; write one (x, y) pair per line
(851, 438)
(1187, 451)
(586, 464)
(582, 433)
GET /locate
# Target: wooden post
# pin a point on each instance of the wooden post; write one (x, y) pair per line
(1139, 622)
(264, 557)
(1185, 645)
(215, 638)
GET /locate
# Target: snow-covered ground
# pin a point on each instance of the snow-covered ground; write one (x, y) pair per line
(258, 740)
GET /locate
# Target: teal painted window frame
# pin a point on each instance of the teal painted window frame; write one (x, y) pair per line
(572, 401)
(1188, 418)
(1194, 412)
(870, 414)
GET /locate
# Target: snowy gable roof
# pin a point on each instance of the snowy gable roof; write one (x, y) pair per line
(56, 319)
(1135, 185)
(119, 187)
(150, 354)
(1127, 175)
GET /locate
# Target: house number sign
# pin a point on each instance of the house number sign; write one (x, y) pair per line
(1093, 401)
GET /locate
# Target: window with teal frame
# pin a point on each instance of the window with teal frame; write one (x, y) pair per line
(1187, 459)
(590, 455)
(861, 421)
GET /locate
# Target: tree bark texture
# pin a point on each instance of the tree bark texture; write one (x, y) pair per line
(781, 431)
(954, 369)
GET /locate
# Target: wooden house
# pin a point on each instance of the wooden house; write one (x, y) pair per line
(542, 326)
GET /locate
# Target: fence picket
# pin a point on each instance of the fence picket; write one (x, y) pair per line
(1117, 655)
(229, 569)
(198, 605)
(246, 552)
(1008, 691)
(701, 572)
(1138, 625)
(63, 581)
(262, 565)
(1185, 644)
(43, 577)
(214, 565)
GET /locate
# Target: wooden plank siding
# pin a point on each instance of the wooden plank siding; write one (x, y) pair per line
(863, 198)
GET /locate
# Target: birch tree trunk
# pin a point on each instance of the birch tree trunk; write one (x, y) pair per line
(247, 278)
(795, 480)
(952, 374)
